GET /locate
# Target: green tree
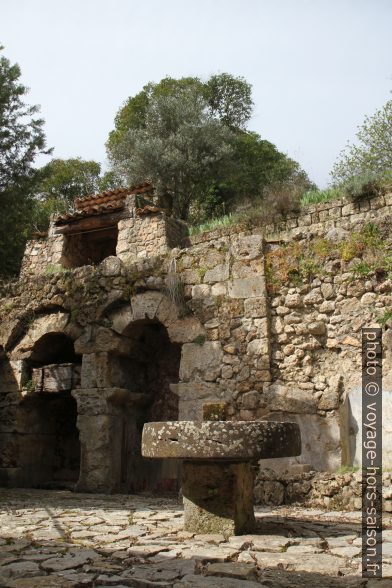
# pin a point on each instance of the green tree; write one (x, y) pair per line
(178, 148)
(21, 139)
(59, 182)
(373, 151)
(230, 99)
(68, 178)
(189, 136)
(257, 166)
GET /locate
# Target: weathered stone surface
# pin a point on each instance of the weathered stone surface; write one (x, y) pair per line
(351, 419)
(247, 247)
(217, 498)
(199, 360)
(240, 440)
(111, 266)
(242, 571)
(279, 397)
(210, 582)
(317, 563)
(255, 307)
(49, 323)
(247, 287)
(167, 554)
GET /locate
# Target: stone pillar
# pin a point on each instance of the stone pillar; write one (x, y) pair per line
(218, 497)
(100, 434)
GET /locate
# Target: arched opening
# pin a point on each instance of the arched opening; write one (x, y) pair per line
(150, 373)
(49, 448)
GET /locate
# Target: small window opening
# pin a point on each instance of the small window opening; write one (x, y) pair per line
(90, 247)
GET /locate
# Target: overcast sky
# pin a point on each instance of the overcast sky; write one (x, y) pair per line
(317, 66)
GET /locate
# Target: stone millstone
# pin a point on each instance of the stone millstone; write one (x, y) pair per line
(217, 477)
(221, 440)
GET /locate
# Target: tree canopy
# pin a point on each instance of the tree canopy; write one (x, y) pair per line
(177, 148)
(57, 185)
(373, 151)
(189, 138)
(21, 139)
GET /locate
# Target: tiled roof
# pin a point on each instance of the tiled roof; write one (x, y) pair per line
(90, 211)
(108, 201)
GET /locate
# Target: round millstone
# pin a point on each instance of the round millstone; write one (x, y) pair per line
(221, 440)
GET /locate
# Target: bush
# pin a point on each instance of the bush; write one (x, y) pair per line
(363, 187)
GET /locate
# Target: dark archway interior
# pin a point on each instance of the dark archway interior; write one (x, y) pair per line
(53, 348)
(150, 372)
(49, 448)
(90, 247)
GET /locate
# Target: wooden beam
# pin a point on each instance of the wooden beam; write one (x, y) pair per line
(91, 223)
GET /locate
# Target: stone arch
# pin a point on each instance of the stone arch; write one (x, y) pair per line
(41, 448)
(130, 374)
(155, 305)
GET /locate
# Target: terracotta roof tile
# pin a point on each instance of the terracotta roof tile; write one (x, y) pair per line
(102, 203)
(91, 211)
(112, 195)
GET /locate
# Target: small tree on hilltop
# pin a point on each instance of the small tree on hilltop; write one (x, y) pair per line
(373, 153)
(177, 148)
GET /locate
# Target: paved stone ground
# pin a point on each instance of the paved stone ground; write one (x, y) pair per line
(60, 539)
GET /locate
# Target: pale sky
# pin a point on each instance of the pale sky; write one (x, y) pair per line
(317, 66)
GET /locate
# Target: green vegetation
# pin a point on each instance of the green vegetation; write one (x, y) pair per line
(215, 223)
(22, 139)
(189, 138)
(274, 208)
(29, 386)
(386, 317)
(200, 340)
(347, 469)
(54, 268)
(373, 152)
(319, 196)
(175, 289)
(298, 262)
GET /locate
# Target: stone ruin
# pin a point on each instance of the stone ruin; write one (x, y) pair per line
(120, 318)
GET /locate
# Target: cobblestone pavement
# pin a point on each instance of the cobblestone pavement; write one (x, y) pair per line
(61, 539)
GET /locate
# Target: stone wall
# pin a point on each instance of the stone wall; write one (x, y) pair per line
(333, 491)
(317, 219)
(290, 352)
(42, 254)
(148, 235)
(139, 236)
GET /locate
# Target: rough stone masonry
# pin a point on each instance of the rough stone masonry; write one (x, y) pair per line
(119, 318)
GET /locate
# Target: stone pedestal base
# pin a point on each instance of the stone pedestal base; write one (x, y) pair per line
(218, 497)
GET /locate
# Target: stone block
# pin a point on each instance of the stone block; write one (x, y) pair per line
(201, 360)
(103, 340)
(320, 435)
(192, 396)
(146, 305)
(50, 323)
(111, 266)
(258, 347)
(247, 247)
(255, 307)
(283, 398)
(248, 268)
(247, 287)
(219, 273)
(121, 318)
(218, 498)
